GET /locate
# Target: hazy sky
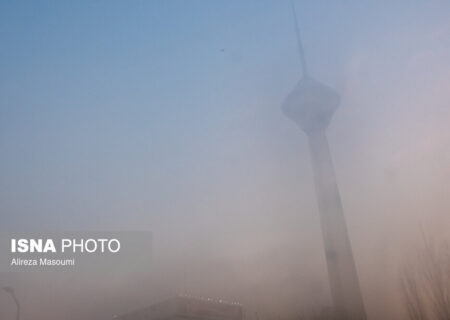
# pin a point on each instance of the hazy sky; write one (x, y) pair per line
(165, 116)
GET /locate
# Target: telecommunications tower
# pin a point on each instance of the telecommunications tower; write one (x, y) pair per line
(311, 105)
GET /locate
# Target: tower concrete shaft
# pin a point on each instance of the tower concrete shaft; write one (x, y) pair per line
(311, 105)
(342, 273)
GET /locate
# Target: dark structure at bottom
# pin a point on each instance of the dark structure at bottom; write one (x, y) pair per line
(184, 307)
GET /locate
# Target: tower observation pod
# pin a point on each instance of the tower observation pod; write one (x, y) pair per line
(311, 105)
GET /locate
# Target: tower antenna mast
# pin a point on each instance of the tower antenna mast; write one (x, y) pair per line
(301, 51)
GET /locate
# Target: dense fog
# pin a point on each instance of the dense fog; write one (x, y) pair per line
(166, 116)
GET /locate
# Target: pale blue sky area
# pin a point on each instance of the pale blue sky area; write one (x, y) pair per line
(117, 106)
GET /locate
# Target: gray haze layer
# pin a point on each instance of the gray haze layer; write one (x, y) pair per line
(165, 116)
